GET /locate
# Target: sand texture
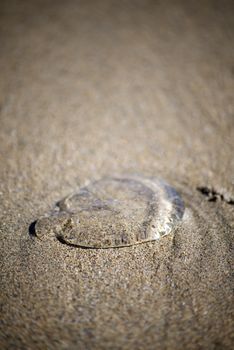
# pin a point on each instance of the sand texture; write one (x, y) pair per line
(90, 89)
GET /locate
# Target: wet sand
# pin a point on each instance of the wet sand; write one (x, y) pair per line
(91, 89)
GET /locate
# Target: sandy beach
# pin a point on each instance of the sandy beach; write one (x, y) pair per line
(104, 88)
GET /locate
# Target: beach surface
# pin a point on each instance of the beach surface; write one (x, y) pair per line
(104, 88)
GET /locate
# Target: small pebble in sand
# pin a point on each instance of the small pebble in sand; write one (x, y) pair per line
(114, 212)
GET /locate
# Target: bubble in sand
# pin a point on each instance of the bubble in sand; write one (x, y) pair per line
(114, 212)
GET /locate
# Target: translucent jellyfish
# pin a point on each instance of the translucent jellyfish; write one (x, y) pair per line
(114, 212)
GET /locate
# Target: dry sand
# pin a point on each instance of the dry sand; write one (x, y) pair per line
(94, 88)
